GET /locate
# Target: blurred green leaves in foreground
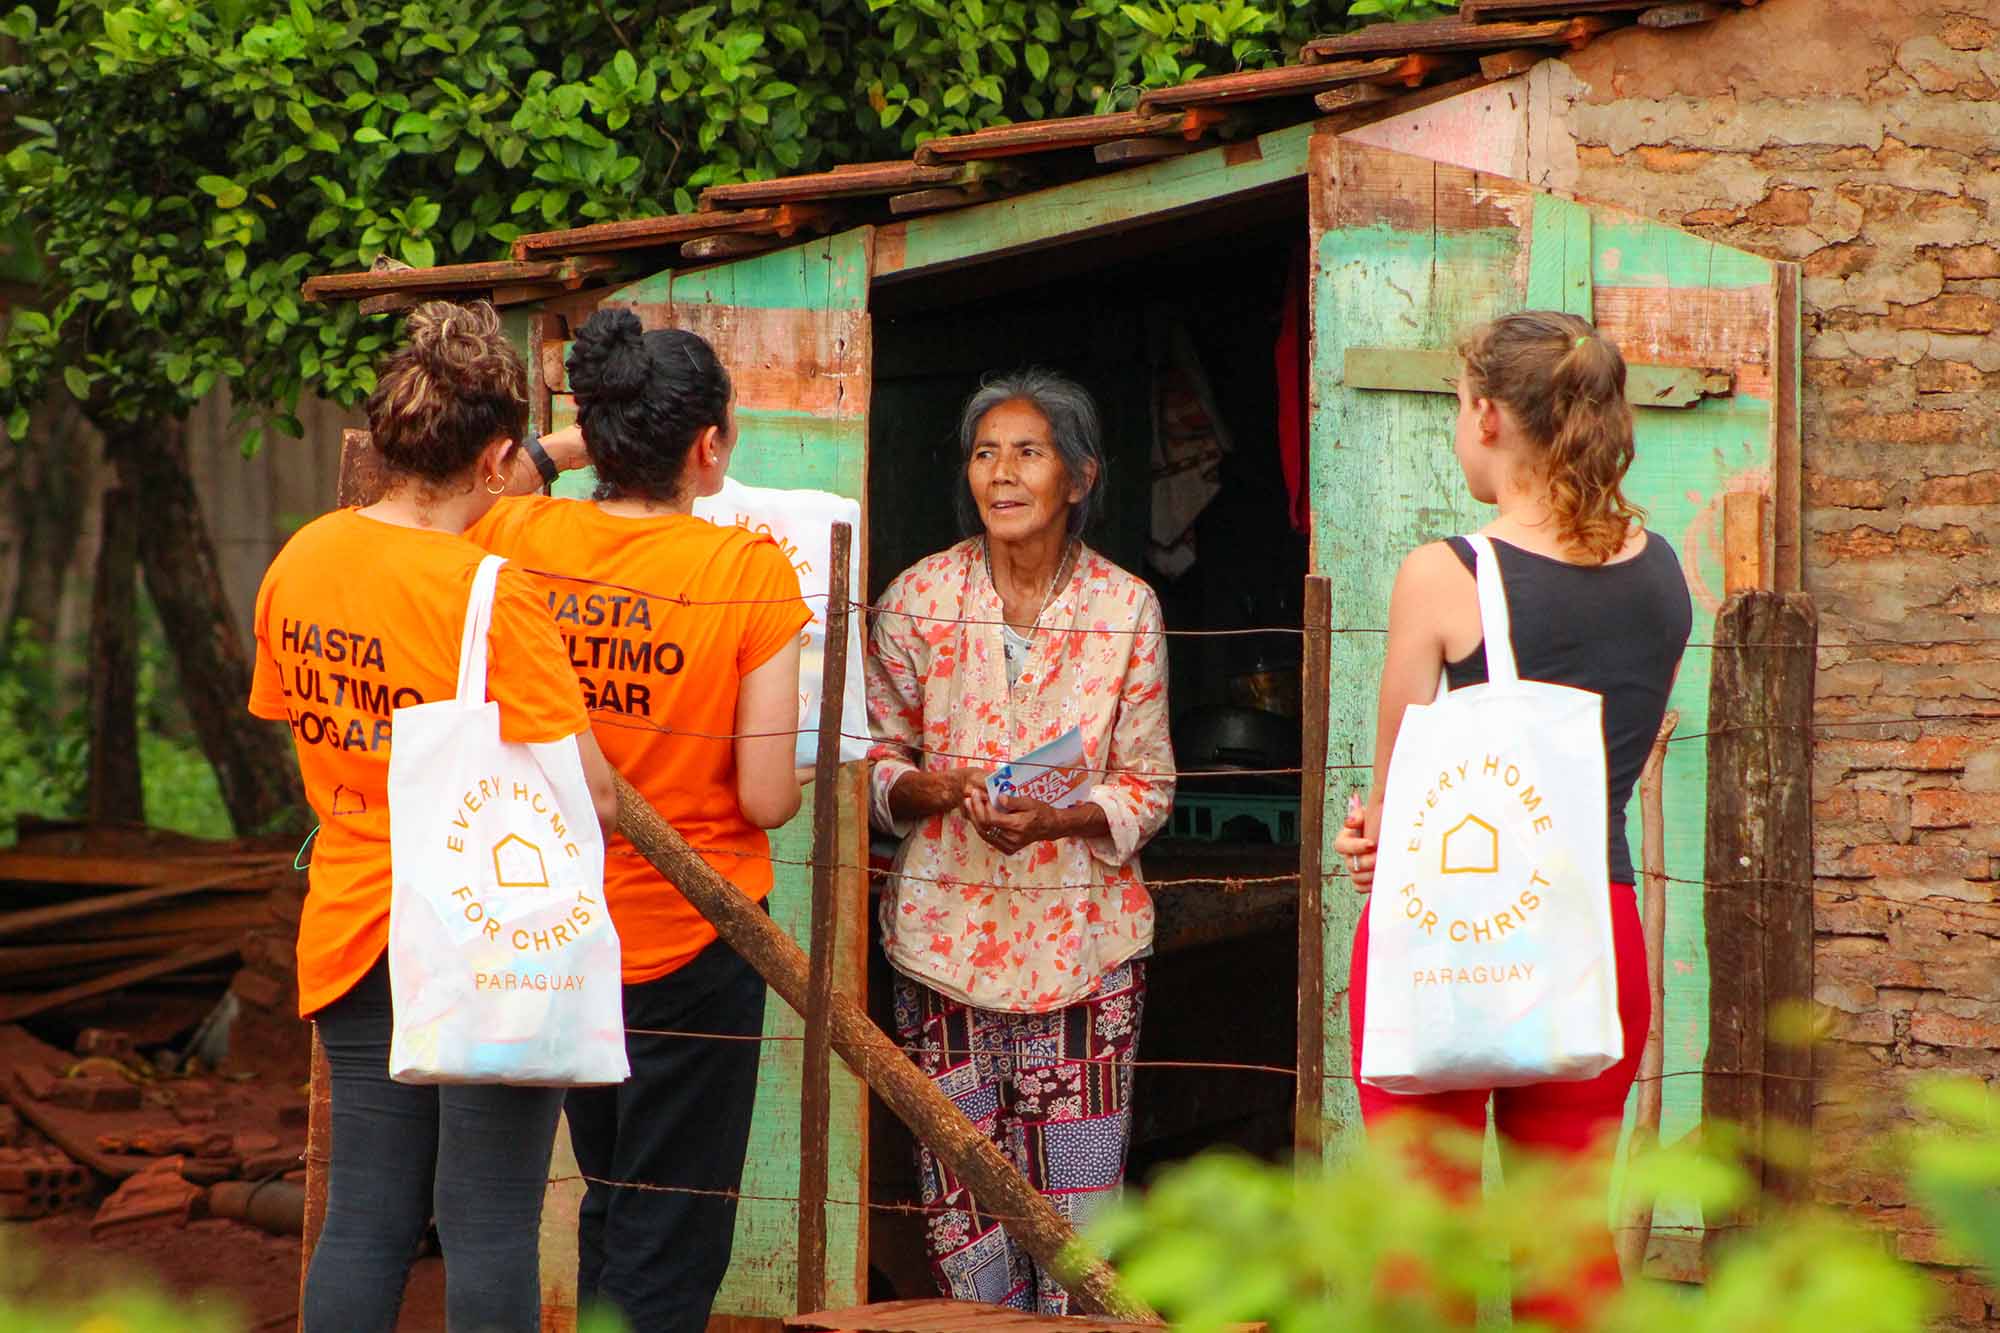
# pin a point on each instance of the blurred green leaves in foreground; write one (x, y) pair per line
(1371, 1246)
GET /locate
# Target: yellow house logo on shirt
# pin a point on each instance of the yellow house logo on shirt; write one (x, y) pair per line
(517, 864)
(1470, 847)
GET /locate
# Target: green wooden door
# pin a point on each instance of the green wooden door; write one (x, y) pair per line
(1407, 255)
(792, 326)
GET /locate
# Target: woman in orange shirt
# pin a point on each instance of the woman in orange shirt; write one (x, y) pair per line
(686, 635)
(361, 613)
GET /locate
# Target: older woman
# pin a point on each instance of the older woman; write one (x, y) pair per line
(1017, 928)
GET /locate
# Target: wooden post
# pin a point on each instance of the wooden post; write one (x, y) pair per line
(1743, 565)
(881, 1064)
(1758, 904)
(814, 1095)
(116, 794)
(1635, 1231)
(1309, 1096)
(319, 1145)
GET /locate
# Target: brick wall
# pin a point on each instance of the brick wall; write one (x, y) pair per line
(1861, 138)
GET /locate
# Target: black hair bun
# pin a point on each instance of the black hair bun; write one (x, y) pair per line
(609, 362)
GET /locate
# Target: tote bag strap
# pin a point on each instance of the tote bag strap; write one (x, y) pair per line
(1494, 621)
(478, 621)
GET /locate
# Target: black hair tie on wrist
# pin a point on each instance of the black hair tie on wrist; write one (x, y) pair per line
(539, 456)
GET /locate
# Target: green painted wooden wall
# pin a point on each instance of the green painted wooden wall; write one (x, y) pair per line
(793, 328)
(1411, 254)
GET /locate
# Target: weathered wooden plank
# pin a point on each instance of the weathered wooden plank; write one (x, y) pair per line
(1635, 1224)
(1257, 85)
(40, 918)
(15, 1008)
(646, 233)
(1453, 34)
(917, 202)
(843, 183)
(1743, 542)
(1758, 897)
(1308, 1119)
(1403, 251)
(1436, 370)
(1045, 136)
(1351, 95)
(1089, 207)
(443, 278)
(734, 246)
(1560, 257)
(117, 870)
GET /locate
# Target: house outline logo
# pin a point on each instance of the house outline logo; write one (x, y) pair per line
(1469, 847)
(518, 864)
(348, 801)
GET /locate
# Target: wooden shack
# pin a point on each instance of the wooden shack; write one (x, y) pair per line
(1323, 279)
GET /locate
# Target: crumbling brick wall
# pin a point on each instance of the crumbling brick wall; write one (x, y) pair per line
(1861, 138)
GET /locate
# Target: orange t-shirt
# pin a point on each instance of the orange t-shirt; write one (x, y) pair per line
(355, 618)
(660, 679)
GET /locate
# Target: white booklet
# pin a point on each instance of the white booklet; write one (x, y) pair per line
(1053, 774)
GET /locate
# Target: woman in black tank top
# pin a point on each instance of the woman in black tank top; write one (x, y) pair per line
(1596, 602)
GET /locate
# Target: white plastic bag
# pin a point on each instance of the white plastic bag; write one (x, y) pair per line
(801, 522)
(503, 963)
(1490, 956)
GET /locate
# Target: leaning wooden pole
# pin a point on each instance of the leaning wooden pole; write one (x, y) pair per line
(1309, 1095)
(815, 1093)
(881, 1064)
(1635, 1230)
(319, 1157)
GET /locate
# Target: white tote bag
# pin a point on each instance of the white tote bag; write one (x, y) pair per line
(1490, 958)
(801, 522)
(503, 962)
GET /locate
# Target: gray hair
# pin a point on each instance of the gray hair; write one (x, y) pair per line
(1073, 427)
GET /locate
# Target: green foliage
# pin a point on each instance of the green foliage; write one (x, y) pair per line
(1955, 1168)
(1372, 1247)
(45, 745)
(184, 166)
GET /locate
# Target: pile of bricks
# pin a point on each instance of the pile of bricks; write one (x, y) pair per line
(35, 1179)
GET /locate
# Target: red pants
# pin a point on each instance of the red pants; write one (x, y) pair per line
(1564, 1119)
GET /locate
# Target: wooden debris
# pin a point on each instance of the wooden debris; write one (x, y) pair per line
(1491, 11)
(24, 1006)
(94, 1092)
(1353, 95)
(936, 1315)
(1455, 34)
(934, 201)
(731, 247)
(1132, 152)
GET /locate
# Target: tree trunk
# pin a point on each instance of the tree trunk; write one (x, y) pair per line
(116, 794)
(47, 489)
(252, 758)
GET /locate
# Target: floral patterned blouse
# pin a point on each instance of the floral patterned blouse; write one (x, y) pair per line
(1039, 929)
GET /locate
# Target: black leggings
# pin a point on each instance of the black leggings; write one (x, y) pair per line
(474, 1156)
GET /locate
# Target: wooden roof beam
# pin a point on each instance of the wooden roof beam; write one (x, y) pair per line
(1455, 35)
(852, 181)
(672, 229)
(1258, 85)
(1047, 136)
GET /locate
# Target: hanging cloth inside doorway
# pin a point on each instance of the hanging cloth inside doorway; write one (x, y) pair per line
(1189, 441)
(1290, 357)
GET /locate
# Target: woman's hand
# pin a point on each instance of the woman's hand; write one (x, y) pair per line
(565, 448)
(923, 794)
(1356, 847)
(1014, 821)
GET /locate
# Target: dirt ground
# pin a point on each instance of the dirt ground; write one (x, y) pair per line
(211, 1265)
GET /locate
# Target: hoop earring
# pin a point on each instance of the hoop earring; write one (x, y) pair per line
(491, 489)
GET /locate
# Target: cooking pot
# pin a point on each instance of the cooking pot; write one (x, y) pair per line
(1227, 736)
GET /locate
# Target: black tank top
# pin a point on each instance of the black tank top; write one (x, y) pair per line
(1617, 630)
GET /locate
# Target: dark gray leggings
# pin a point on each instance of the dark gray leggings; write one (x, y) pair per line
(475, 1157)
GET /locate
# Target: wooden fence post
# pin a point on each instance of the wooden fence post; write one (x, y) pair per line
(1309, 1095)
(814, 1091)
(1758, 901)
(1635, 1228)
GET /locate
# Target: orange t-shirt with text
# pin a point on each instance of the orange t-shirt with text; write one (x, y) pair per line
(660, 678)
(356, 618)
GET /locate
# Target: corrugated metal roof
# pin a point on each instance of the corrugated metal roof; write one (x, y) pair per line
(1378, 71)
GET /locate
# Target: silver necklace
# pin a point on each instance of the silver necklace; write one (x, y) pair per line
(1048, 595)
